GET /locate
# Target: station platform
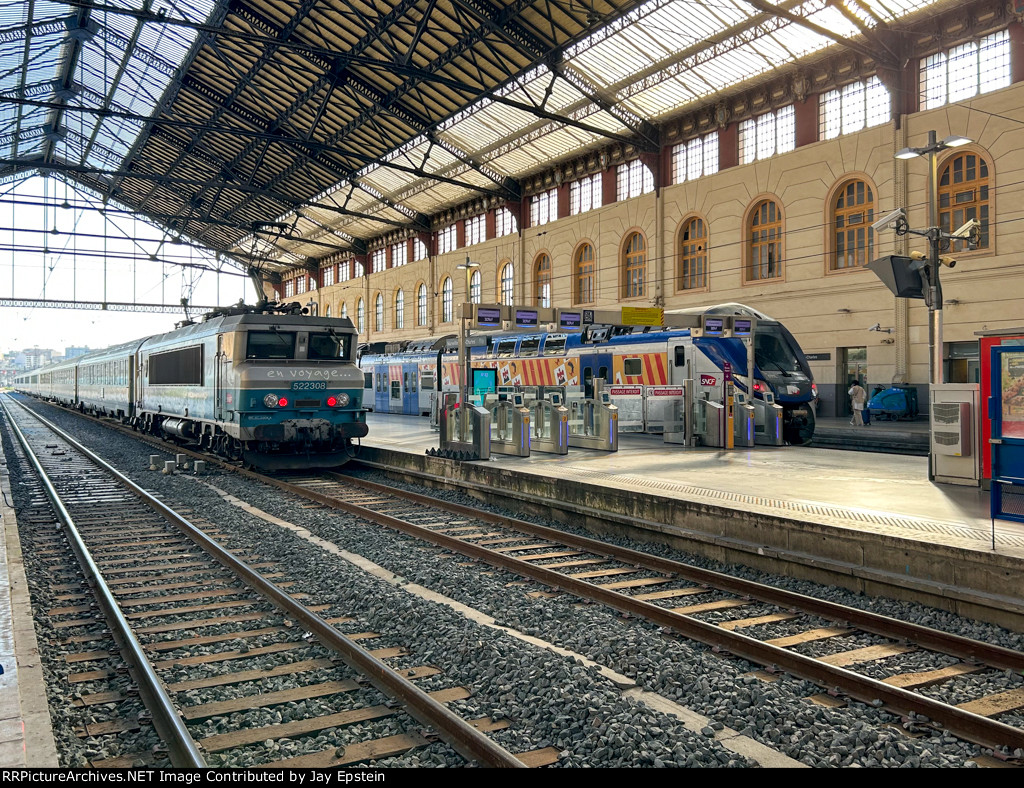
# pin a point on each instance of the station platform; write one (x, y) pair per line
(869, 521)
(891, 437)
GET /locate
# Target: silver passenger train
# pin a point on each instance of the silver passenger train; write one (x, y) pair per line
(266, 385)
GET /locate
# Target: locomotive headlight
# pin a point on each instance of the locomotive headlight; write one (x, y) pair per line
(343, 400)
(270, 400)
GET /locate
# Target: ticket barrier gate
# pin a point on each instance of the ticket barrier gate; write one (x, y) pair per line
(510, 425)
(550, 426)
(474, 444)
(768, 423)
(678, 423)
(744, 428)
(710, 422)
(593, 424)
(438, 402)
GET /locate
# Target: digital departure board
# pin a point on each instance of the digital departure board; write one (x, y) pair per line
(714, 326)
(571, 321)
(488, 317)
(742, 326)
(526, 318)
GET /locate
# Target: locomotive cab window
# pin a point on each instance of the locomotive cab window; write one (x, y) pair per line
(328, 346)
(632, 367)
(270, 345)
(773, 352)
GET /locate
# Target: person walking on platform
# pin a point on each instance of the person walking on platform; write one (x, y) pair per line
(858, 397)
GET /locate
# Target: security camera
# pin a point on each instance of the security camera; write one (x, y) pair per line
(875, 327)
(889, 219)
(964, 230)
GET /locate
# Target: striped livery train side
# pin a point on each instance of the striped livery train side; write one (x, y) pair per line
(404, 377)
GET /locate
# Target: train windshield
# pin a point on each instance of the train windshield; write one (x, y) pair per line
(328, 346)
(270, 345)
(774, 351)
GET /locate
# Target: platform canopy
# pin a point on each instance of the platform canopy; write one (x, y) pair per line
(281, 132)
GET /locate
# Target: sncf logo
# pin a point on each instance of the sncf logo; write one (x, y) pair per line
(708, 380)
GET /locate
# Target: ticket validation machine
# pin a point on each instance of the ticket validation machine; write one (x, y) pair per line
(744, 435)
(596, 424)
(510, 425)
(767, 421)
(550, 425)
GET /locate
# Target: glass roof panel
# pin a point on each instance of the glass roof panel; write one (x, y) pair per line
(121, 63)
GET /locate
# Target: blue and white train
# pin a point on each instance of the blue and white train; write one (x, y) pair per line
(404, 377)
(271, 387)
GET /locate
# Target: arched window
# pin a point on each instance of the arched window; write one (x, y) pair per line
(400, 309)
(584, 265)
(963, 195)
(446, 300)
(474, 288)
(765, 242)
(378, 313)
(853, 239)
(327, 311)
(360, 316)
(634, 266)
(421, 305)
(344, 309)
(543, 279)
(692, 273)
(508, 275)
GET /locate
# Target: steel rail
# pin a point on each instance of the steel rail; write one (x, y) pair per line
(181, 748)
(876, 623)
(467, 740)
(965, 724)
(885, 626)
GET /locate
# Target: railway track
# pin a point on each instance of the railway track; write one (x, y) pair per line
(157, 596)
(679, 597)
(843, 649)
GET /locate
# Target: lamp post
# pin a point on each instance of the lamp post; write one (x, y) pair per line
(933, 294)
(468, 267)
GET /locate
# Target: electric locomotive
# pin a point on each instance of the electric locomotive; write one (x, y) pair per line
(274, 388)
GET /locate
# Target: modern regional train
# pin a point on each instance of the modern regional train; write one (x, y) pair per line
(402, 377)
(266, 385)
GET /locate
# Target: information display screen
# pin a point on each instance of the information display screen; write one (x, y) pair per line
(714, 326)
(570, 320)
(484, 381)
(742, 326)
(526, 318)
(488, 316)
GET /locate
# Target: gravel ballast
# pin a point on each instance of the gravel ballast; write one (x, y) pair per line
(554, 700)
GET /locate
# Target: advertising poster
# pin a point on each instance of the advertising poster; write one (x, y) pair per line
(1013, 395)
